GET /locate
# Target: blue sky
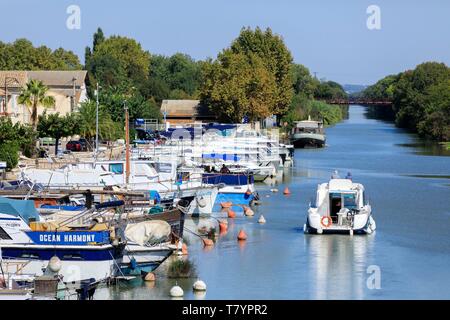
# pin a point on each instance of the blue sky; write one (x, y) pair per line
(329, 37)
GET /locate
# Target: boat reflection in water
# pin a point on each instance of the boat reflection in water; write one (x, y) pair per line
(338, 264)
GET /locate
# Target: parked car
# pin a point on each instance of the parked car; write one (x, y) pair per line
(74, 146)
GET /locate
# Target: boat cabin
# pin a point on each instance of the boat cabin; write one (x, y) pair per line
(308, 126)
(343, 193)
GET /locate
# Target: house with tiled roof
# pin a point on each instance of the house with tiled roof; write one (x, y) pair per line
(186, 111)
(67, 87)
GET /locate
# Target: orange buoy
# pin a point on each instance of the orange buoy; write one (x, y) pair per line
(184, 249)
(242, 236)
(150, 277)
(208, 242)
(223, 227)
(287, 191)
(226, 205)
(231, 214)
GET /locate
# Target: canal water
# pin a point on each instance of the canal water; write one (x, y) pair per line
(408, 184)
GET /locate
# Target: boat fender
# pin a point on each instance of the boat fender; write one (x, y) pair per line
(54, 264)
(133, 263)
(201, 202)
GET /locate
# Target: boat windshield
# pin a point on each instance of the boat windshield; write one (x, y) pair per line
(349, 200)
(342, 200)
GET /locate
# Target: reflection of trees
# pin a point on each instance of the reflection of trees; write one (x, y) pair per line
(380, 112)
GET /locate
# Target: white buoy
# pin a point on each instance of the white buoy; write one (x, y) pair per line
(54, 264)
(351, 232)
(319, 231)
(249, 212)
(199, 285)
(176, 292)
(274, 190)
(261, 220)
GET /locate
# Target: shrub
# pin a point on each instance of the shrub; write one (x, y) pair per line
(9, 152)
(181, 269)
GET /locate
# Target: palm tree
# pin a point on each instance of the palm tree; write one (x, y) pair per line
(108, 129)
(34, 95)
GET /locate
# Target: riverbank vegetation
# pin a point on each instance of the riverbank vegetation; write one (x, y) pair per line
(420, 99)
(15, 138)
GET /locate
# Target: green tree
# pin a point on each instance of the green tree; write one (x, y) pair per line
(329, 90)
(118, 60)
(57, 127)
(175, 77)
(14, 137)
(303, 82)
(34, 95)
(86, 117)
(22, 55)
(418, 94)
(420, 97)
(238, 85)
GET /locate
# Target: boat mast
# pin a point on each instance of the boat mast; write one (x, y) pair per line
(127, 145)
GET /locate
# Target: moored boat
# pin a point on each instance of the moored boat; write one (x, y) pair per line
(308, 133)
(340, 207)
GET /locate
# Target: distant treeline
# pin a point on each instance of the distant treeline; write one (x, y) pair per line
(420, 99)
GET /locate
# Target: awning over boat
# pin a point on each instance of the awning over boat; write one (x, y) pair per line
(19, 208)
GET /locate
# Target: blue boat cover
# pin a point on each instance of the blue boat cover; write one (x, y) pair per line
(19, 208)
(155, 196)
(228, 179)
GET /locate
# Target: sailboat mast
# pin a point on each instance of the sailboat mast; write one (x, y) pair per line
(127, 145)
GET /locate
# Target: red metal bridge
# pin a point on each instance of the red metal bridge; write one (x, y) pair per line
(359, 101)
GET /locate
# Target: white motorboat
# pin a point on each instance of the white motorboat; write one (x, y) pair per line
(340, 207)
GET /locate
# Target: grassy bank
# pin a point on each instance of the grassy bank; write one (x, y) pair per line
(302, 108)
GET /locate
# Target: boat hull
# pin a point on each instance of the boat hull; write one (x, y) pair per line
(78, 263)
(138, 259)
(365, 225)
(304, 140)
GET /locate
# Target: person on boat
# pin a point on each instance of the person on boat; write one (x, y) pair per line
(335, 175)
(349, 176)
(224, 169)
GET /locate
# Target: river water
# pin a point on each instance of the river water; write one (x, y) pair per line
(408, 184)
